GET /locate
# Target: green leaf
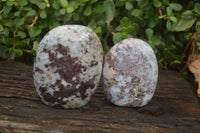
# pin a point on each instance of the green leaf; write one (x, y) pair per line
(22, 2)
(136, 25)
(19, 44)
(55, 4)
(169, 26)
(64, 3)
(83, 2)
(9, 42)
(157, 3)
(169, 11)
(149, 33)
(187, 20)
(99, 9)
(11, 3)
(43, 23)
(128, 5)
(197, 26)
(11, 50)
(35, 47)
(174, 19)
(137, 12)
(152, 23)
(156, 39)
(124, 22)
(53, 23)
(129, 30)
(188, 14)
(166, 2)
(18, 52)
(176, 6)
(62, 11)
(161, 17)
(9, 22)
(7, 10)
(41, 5)
(73, 3)
(117, 37)
(1, 27)
(175, 62)
(33, 1)
(183, 25)
(120, 3)
(70, 9)
(17, 13)
(31, 13)
(4, 52)
(92, 24)
(87, 11)
(27, 41)
(110, 10)
(19, 22)
(125, 35)
(75, 16)
(197, 8)
(143, 3)
(6, 31)
(21, 34)
(34, 32)
(98, 30)
(43, 14)
(93, 1)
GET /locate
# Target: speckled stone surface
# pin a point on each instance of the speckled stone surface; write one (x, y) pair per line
(68, 66)
(130, 73)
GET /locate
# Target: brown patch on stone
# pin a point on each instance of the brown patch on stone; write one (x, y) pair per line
(46, 65)
(51, 99)
(67, 67)
(37, 69)
(65, 93)
(45, 50)
(94, 63)
(86, 51)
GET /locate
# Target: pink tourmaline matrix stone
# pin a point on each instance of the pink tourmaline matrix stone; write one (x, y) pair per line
(130, 73)
(68, 66)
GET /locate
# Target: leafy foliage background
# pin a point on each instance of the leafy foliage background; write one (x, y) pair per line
(168, 26)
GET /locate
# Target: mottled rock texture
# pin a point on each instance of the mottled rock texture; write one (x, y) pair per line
(68, 66)
(130, 73)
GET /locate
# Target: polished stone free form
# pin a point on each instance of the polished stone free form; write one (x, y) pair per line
(130, 73)
(68, 66)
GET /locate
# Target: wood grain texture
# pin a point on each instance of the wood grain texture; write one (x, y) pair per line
(174, 108)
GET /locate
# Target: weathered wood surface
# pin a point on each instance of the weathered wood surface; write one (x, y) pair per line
(174, 108)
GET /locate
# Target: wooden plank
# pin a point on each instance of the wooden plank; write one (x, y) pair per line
(174, 108)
